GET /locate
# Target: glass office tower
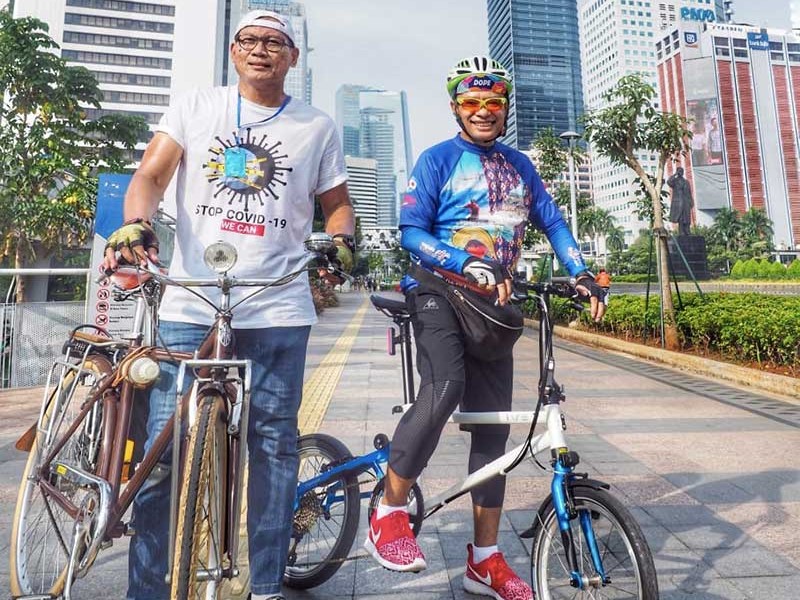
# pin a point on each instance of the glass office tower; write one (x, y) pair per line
(538, 41)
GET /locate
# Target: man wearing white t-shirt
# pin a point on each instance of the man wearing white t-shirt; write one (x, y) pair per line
(248, 162)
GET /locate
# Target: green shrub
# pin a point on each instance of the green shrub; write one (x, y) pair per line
(793, 271)
(750, 269)
(737, 272)
(748, 327)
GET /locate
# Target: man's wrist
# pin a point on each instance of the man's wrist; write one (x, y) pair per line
(345, 239)
(136, 220)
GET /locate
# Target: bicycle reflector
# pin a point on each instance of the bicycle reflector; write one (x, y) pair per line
(220, 257)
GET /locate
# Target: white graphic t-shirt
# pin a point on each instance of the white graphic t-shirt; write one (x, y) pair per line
(261, 201)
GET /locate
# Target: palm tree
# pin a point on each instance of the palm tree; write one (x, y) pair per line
(756, 229)
(595, 222)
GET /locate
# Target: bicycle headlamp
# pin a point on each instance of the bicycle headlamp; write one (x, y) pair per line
(220, 257)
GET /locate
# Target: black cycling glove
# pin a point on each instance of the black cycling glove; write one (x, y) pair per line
(586, 279)
(485, 273)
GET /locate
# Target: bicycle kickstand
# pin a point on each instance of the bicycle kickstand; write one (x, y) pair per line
(80, 533)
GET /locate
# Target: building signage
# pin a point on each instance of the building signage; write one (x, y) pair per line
(704, 15)
(757, 41)
(690, 38)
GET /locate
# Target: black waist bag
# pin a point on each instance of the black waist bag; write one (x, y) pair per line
(490, 331)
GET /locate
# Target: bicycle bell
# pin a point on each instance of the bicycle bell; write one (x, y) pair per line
(319, 242)
(220, 257)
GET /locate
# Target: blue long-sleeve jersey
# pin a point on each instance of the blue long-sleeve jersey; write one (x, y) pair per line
(465, 200)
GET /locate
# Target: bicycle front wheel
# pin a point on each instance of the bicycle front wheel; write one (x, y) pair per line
(198, 563)
(326, 519)
(625, 555)
(42, 532)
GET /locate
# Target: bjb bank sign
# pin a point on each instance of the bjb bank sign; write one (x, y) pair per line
(698, 14)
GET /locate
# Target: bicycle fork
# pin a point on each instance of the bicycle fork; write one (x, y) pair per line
(566, 511)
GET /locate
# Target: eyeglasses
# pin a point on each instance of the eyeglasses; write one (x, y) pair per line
(272, 45)
(473, 105)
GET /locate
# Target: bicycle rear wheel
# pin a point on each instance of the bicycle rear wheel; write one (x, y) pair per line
(326, 521)
(198, 561)
(625, 555)
(42, 532)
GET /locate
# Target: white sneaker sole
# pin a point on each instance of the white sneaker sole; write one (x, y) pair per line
(479, 589)
(413, 567)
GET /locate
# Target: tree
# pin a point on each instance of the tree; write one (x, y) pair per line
(50, 152)
(630, 124)
(595, 222)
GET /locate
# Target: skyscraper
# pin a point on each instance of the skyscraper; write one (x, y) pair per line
(377, 142)
(141, 53)
(298, 80)
(617, 39)
(362, 183)
(373, 123)
(538, 41)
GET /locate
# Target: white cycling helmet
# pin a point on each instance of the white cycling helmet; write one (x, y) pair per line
(481, 66)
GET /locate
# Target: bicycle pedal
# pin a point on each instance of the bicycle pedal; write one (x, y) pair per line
(106, 544)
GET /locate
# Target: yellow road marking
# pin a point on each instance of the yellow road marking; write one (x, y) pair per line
(317, 393)
(319, 387)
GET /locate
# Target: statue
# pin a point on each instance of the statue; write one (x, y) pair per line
(680, 210)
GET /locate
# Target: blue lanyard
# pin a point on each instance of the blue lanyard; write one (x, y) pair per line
(269, 118)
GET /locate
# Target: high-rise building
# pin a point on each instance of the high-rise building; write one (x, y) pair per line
(140, 52)
(377, 142)
(618, 38)
(362, 183)
(348, 117)
(298, 80)
(740, 87)
(538, 41)
(373, 123)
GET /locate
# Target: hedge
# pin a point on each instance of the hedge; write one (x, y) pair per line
(740, 327)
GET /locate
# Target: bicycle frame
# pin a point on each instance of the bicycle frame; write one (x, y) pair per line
(213, 369)
(563, 460)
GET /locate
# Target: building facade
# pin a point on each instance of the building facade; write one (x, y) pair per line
(362, 182)
(373, 123)
(618, 38)
(740, 88)
(538, 41)
(298, 79)
(142, 53)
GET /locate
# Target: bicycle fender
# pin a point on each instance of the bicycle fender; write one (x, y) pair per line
(548, 501)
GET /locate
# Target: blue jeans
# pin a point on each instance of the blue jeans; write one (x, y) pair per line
(278, 357)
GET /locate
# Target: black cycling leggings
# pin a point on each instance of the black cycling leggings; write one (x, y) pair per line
(449, 378)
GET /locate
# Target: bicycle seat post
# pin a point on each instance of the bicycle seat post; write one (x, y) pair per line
(404, 339)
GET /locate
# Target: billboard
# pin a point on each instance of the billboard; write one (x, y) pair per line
(706, 141)
(707, 154)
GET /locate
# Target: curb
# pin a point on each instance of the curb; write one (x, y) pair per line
(788, 388)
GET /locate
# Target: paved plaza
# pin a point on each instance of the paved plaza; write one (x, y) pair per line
(711, 472)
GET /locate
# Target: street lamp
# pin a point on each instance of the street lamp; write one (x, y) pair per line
(572, 137)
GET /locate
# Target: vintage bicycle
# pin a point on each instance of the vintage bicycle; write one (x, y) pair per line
(74, 495)
(585, 542)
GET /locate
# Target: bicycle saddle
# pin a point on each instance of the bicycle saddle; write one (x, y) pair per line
(391, 303)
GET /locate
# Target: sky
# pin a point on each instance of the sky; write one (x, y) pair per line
(411, 45)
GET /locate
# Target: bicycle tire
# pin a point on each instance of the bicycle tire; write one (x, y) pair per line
(315, 556)
(416, 505)
(201, 509)
(36, 567)
(626, 556)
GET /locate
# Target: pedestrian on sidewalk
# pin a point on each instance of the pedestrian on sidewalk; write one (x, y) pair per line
(218, 144)
(465, 211)
(603, 279)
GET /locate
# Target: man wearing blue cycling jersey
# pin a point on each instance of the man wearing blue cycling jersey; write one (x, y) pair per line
(468, 202)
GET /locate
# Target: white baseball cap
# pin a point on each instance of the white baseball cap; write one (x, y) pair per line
(266, 18)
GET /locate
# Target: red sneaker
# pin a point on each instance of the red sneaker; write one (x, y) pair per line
(493, 577)
(392, 543)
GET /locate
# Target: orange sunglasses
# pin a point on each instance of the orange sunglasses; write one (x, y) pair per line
(473, 105)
